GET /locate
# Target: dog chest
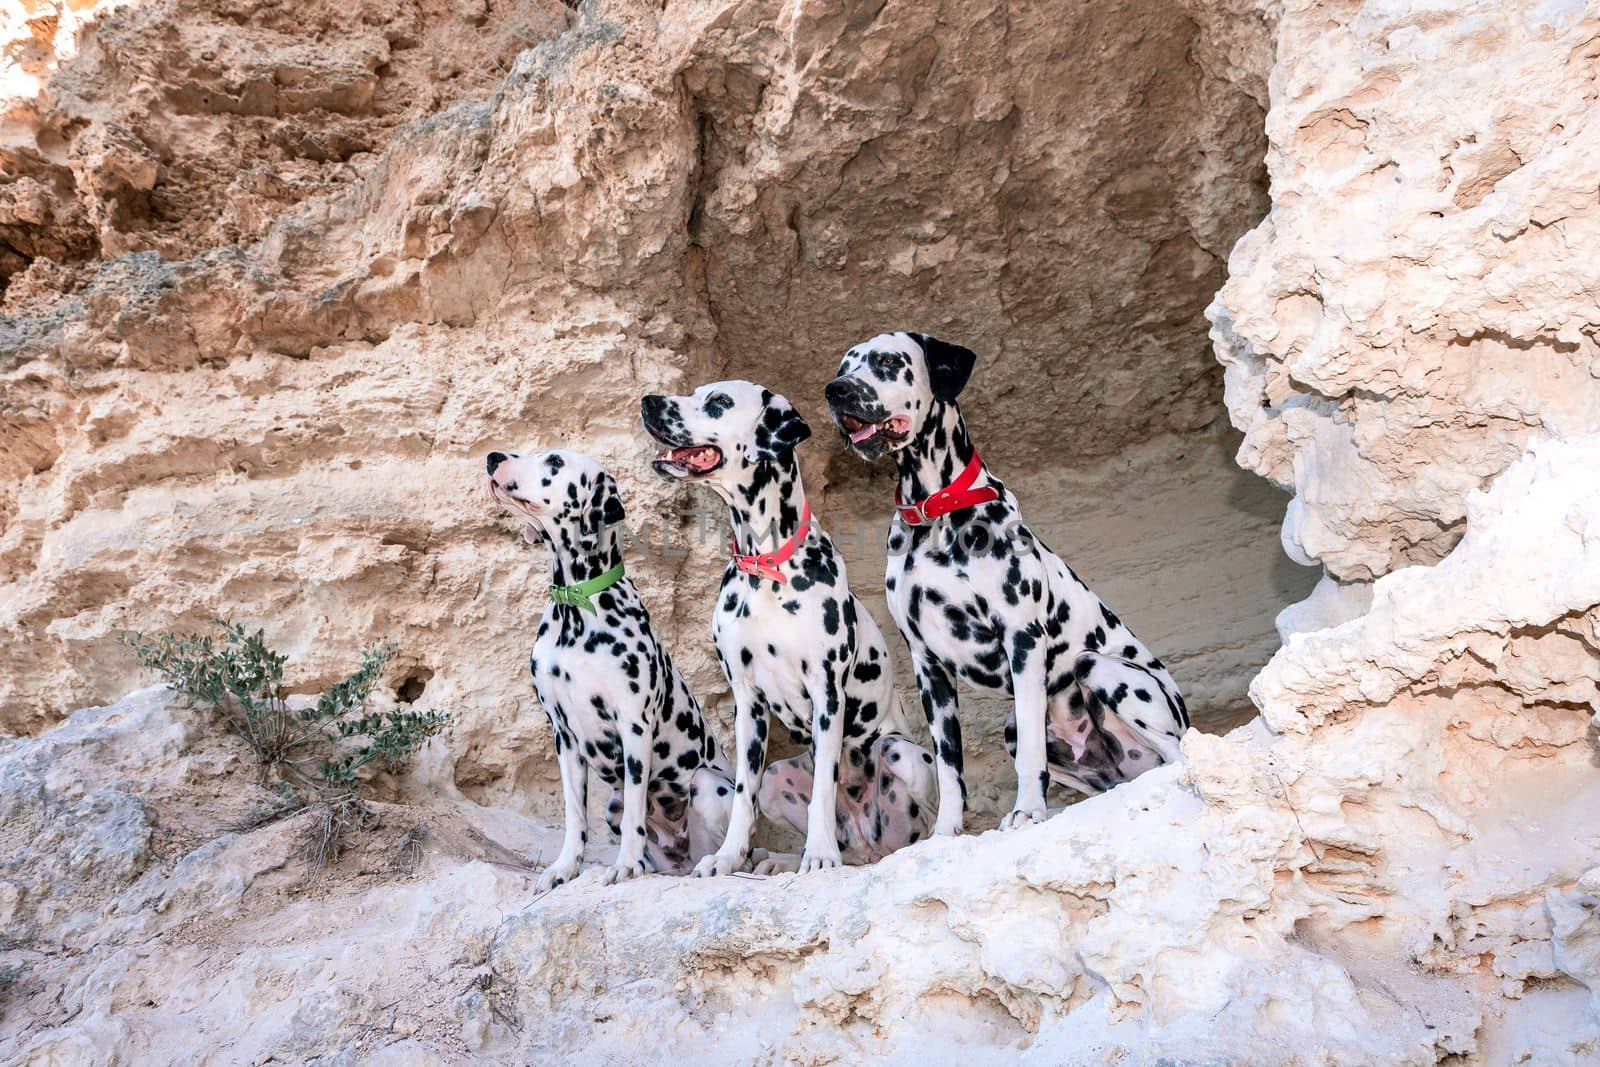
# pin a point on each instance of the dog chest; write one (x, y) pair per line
(776, 652)
(774, 672)
(963, 613)
(592, 686)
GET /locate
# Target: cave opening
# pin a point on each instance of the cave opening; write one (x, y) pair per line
(415, 684)
(1071, 230)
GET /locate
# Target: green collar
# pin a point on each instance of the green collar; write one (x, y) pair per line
(577, 596)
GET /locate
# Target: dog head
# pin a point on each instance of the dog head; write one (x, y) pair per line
(722, 432)
(888, 386)
(567, 497)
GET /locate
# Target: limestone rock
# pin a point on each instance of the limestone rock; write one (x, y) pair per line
(1575, 935)
(1410, 315)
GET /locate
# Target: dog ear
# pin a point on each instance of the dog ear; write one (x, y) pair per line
(605, 506)
(780, 430)
(949, 366)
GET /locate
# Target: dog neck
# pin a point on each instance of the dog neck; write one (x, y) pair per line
(575, 558)
(765, 511)
(939, 452)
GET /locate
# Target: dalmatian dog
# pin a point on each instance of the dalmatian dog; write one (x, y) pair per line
(616, 703)
(794, 643)
(980, 598)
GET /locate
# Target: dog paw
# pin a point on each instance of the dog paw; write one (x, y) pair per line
(622, 872)
(942, 828)
(717, 865)
(1022, 817)
(777, 863)
(558, 873)
(819, 861)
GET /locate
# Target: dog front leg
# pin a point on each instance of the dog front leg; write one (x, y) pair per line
(938, 692)
(575, 792)
(827, 744)
(636, 758)
(749, 758)
(1029, 689)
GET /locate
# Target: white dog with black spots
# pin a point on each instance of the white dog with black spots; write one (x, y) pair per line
(615, 701)
(980, 598)
(794, 642)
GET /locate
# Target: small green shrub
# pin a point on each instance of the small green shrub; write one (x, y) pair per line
(321, 749)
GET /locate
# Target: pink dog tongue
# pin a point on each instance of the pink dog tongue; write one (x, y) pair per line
(865, 432)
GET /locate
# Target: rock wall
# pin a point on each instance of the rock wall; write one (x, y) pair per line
(1411, 313)
(177, 126)
(274, 406)
(1394, 863)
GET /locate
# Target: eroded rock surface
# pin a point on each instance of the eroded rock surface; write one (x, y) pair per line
(177, 126)
(1413, 311)
(1402, 873)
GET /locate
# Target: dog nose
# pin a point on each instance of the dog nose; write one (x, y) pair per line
(494, 460)
(651, 406)
(841, 390)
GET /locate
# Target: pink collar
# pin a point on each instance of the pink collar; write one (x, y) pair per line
(957, 495)
(766, 564)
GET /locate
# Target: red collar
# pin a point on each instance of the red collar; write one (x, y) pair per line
(766, 564)
(957, 495)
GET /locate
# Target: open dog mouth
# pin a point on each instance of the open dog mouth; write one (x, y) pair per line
(502, 496)
(688, 461)
(860, 431)
(505, 496)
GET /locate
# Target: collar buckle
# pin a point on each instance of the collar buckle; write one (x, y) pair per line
(767, 564)
(579, 595)
(957, 496)
(913, 514)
